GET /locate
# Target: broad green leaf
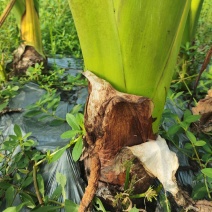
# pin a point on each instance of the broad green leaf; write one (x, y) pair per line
(199, 143)
(77, 150)
(71, 206)
(9, 196)
(40, 182)
(72, 121)
(17, 131)
(191, 136)
(207, 172)
(70, 134)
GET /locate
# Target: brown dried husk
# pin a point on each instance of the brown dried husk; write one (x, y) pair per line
(114, 120)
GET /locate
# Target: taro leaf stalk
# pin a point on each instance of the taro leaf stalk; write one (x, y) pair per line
(192, 21)
(133, 45)
(189, 37)
(31, 50)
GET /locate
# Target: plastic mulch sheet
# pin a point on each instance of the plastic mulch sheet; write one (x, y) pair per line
(48, 137)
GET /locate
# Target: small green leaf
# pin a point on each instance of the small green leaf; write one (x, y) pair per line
(56, 122)
(70, 118)
(191, 136)
(43, 117)
(77, 150)
(29, 143)
(27, 135)
(76, 109)
(188, 146)
(173, 129)
(47, 208)
(15, 208)
(15, 88)
(71, 206)
(10, 192)
(192, 118)
(70, 134)
(3, 105)
(57, 193)
(199, 143)
(184, 125)
(40, 182)
(80, 119)
(207, 148)
(27, 181)
(11, 209)
(169, 114)
(61, 179)
(98, 205)
(23, 171)
(29, 202)
(207, 172)
(187, 113)
(37, 156)
(54, 103)
(33, 113)
(5, 185)
(17, 131)
(199, 191)
(57, 154)
(134, 209)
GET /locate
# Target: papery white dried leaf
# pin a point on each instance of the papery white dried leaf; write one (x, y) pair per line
(159, 161)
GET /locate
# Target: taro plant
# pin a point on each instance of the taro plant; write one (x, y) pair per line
(130, 49)
(31, 49)
(133, 45)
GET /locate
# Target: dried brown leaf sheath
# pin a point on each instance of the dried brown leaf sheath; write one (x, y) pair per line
(113, 120)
